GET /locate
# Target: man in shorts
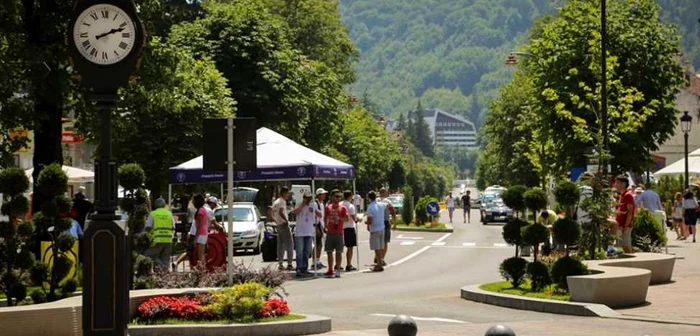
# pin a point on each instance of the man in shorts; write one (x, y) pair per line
(375, 225)
(349, 234)
(319, 207)
(450, 202)
(389, 213)
(625, 212)
(467, 206)
(335, 215)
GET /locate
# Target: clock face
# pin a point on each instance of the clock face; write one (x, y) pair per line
(104, 34)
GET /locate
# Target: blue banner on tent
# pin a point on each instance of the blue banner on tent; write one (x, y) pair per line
(193, 176)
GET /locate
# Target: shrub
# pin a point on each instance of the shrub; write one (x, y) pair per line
(564, 267)
(534, 235)
(513, 270)
(421, 214)
(538, 273)
(241, 302)
(566, 231)
(407, 209)
(535, 199)
(202, 278)
(52, 181)
(275, 307)
(512, 233)
(647, 233)
(131, 176)
(567, 195)
(513, 197)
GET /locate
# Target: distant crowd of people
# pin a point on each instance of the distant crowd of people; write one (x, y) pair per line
(330, 222)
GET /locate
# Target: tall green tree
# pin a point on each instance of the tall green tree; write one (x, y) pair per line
(161, 114)
(400, 123)
(421, 135)
(643, 78)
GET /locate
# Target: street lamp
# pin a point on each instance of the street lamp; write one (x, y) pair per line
(686, 122)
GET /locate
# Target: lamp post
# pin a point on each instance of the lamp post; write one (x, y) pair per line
(604, 84)
(686, 122)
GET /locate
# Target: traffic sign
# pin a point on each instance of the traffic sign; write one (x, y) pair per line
(432, 208)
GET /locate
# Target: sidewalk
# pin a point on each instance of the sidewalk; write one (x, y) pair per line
(680, 299)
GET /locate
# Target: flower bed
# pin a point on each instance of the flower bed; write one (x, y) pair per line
(244, 303)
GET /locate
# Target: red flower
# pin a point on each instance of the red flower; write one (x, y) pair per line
(168, 306)
(274, 308)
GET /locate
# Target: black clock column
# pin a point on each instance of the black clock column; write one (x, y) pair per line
(107, 266)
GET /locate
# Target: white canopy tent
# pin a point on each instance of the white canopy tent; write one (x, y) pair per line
(75, 175)
(678, 168)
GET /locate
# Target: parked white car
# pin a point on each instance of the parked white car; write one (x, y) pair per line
(248, 225)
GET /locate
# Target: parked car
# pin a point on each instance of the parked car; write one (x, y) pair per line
(248, 225)
(396, 201)
(495, 210)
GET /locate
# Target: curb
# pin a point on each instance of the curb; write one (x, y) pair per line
(448, 228)
(312, 324)
(474, 293)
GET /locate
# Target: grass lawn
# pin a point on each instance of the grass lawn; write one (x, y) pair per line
(504, 287)
(290, 317)
(440, 226)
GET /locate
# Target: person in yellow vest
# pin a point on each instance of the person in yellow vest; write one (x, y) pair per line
(161, 222)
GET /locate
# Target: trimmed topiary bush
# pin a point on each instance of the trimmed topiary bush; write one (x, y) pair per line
(535, 199)
(513, 270)
(131, 176)
(421, 214)
(567, 232)
(648, 234)
(538, 273)
(407, 209)
(564, 267)
(534, 235)
(512, 232)
(567, 195)
(513, 198)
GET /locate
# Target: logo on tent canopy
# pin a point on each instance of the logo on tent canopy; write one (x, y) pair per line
(335, 171)
(301, 171)
(181, 177)
(241, 175)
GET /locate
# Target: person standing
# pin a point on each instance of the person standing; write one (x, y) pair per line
(349, 233)
(625, 212)
(161, 222)
(284, 232)
(690, 206)
(450, 201)
(375, 225)
(210, 206)
(335, 215)
(467, 206)
(678, 224)
(304, 233)
(389, 222)
(201, 220)
(649, 200)
(319, 207)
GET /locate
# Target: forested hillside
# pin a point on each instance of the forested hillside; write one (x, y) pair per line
(451, 54)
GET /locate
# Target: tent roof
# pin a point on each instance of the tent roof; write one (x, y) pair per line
(678, 167)
(75, 175)
(278, 158)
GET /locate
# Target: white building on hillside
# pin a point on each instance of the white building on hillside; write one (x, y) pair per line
(448, 129)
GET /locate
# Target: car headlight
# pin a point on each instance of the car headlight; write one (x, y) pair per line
(250, 233)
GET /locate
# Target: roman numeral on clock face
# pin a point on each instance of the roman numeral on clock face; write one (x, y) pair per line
(86, 44)
(105, 14)
(93, 52)
(123, 45)
(126, 35)
(104, 55)
(83, 35)
(122, 25)
(94, 16)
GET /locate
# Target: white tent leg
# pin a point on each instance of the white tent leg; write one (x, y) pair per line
(313, 244)
(170, 196)
(357, 230)
(221, 195)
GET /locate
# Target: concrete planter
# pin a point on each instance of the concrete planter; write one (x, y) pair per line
(308, 326)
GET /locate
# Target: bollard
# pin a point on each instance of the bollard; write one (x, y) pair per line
(402, 325)
(500, 330)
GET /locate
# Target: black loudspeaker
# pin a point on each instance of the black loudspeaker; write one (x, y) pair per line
(216, 145)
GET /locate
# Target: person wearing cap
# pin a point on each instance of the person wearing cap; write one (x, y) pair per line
(304, 233)
(320, 208)
(284, 231)
(349, 233)
(210, 206)
(161, 222)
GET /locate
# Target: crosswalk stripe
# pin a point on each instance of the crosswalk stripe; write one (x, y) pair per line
(468, 244)
(500, 244)
(408, 243)
(438, 243)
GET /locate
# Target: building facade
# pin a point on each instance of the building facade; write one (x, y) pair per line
(448, 129)
(688, 99)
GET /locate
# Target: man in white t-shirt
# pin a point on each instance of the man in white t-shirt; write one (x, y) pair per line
(357, 202)
(349, 233)
(210, 206)
(451, 204)
(304, 233)
(284, 232)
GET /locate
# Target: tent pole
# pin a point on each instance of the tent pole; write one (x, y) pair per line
(357, 229)
(221, 189)
(313, 190)
(170, 196)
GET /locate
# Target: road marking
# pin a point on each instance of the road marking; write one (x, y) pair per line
(402, 237)
(500, 245)
(438, 243)
(468, 244)
(410, 256)
(443, 237)
(432, 319)
(408, 243)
